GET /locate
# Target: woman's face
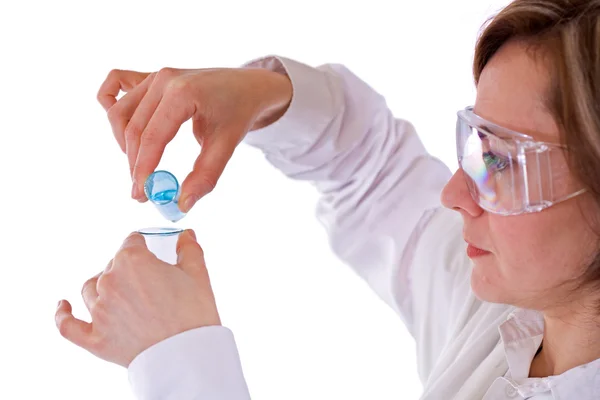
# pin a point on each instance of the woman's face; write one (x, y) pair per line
(529, 254)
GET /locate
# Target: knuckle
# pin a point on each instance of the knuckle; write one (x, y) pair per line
(166, 73)
(114, 74)
(106, 282)
(208, 181)
(132, 131)
(178, 87)
(152, 138)
(86, 284)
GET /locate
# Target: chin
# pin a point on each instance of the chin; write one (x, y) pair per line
(484, 287)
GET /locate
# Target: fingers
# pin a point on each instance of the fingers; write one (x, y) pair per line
(208, 168)
(190, 256)
(75, 330)
(120, 114)
(136, 126)
(133, 252)
(162, 127)
(135, 240)
(108, 267)
(116, 81)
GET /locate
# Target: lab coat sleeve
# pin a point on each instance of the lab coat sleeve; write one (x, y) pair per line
(379, 196)
(198, 364)
(378, 185)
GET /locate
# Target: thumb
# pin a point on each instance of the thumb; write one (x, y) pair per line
(190, 256)
(209, 166)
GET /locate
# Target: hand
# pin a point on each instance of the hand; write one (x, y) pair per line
(138, 301)
(224, 104)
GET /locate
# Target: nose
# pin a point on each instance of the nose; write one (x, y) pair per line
(456, 196)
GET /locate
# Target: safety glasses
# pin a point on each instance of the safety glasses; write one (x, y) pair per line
(507, 172)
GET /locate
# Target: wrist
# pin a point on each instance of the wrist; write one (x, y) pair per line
(277, 90)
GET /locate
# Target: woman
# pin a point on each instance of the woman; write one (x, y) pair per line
(513, 313)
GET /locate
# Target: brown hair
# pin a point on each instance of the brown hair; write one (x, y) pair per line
(568, 34)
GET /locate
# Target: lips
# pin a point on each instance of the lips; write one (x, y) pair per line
(473, 251)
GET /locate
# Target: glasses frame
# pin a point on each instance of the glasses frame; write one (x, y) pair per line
(523, 143)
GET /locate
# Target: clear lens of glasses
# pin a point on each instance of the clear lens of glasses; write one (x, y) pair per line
(507, 172)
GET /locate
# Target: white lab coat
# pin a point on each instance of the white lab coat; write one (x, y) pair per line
(380, 205)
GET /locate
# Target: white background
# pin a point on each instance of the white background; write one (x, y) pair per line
(306, 326)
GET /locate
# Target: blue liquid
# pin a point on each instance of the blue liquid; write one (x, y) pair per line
(162, 189)
(164, 197)
(167, 203)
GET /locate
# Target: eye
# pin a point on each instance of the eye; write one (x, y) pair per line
(495, 162)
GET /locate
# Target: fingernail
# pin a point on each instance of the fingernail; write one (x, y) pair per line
(134, 191)
(189, 202)
(59, 303)
(138, 194)
(192, 233)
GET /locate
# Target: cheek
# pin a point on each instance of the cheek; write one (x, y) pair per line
(535, 252)
(518, 246)
(518, 269)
